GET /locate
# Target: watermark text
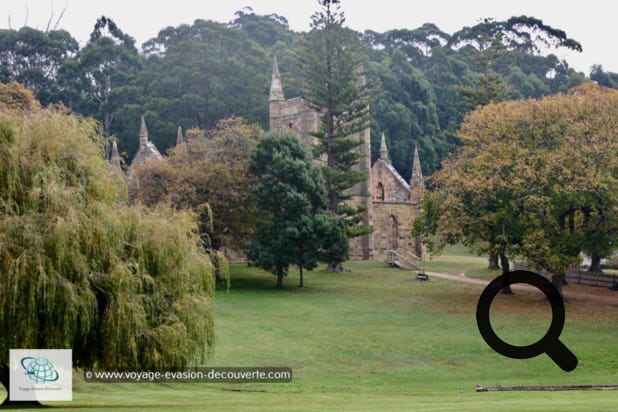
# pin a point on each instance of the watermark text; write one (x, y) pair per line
(220, 375)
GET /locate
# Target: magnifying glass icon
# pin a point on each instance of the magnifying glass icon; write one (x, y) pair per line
(550, 343)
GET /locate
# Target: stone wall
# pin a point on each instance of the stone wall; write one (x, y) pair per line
(393, 223)
(387, 184)
(394, 212)
(296, 116)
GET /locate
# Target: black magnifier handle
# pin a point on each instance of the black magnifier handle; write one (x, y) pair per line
(561, 355)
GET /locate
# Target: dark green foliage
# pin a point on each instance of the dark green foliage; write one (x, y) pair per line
(264, 30)
(522, 33)
(607, 79)
(34, 58)
(273, 34)
(417, 44)
(484, 89)
(492, 48)
(294, 226)
(109, 64)
(530, 86)
(405, 110)
(193, 75)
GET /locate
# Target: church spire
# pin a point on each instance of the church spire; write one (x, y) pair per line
(276, 88)
(143, 133)
(179, 138)
(384, 150)
(416, 180)
(115, 157)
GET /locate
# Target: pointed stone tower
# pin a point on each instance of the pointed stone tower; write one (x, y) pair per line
(179, 138)
(384, 150)
(147, 151)
(416, 180)
(276, 87)
(292, 114)
(417, 185)
(115, 157)
(143, 134)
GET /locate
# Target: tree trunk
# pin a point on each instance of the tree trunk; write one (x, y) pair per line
(107, 123)
(279, 280)
(493, 260)
(595, 264)
(558, 281)
(333, 201)
(335, 268)
(301, 276)
(504, 261)
(8, 404)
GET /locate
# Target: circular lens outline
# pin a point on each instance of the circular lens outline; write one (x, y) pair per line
(549, 343)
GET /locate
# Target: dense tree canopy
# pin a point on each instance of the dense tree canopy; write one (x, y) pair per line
(195, 74)
(124, 287)
(405, 109)
(209, 174)
(109, 63)
(35, 59)
(294, 226)
(536, 179)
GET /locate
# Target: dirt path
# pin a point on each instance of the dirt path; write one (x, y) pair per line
(569, 294)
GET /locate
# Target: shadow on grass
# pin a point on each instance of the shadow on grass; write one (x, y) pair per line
(247, 278)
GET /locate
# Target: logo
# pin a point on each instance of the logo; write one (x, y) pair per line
(41, 375)
(39, 370)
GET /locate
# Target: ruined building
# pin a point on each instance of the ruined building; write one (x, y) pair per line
(391, 204)
(396, 204)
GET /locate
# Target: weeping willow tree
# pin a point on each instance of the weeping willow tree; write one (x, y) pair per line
(127, 288)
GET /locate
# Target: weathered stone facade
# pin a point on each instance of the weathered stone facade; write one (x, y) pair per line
(391, 205)
(293, 114)
(396, 205)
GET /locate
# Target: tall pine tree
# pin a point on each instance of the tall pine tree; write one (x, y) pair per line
(331, 57)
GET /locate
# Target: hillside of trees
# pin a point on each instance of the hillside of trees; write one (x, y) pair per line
(422, 81)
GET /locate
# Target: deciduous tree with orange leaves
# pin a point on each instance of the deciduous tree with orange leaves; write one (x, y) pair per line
(536, 178)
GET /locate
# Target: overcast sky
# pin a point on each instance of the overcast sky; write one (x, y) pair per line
(593, 22)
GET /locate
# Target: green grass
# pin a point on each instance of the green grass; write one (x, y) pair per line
(375, 339)
(457, 259)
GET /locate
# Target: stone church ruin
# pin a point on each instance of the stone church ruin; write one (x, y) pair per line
(390, 203)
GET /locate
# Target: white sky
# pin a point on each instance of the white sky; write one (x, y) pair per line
(593, 22)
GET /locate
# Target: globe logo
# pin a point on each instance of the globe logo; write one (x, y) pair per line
(39, 370)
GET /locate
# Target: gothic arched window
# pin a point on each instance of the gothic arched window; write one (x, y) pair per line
(380, 191)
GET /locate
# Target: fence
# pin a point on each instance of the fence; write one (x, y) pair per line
(592, 279)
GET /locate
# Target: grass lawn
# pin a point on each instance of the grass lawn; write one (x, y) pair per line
(375, 339)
